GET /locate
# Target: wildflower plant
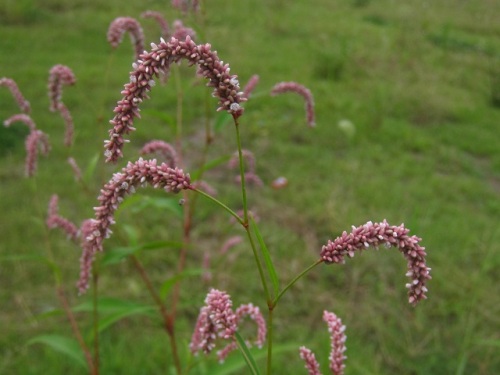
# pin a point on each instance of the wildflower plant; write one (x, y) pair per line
(218, 323)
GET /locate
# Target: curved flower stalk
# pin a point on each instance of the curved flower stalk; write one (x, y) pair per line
(284, 87)
(158, 60)
(337, 341)
(21, 117)
(376, 234)
(119, 26)
(60, 75)
(35, 139)
(77, 172)
(113, 193)
(166, 150)
(158, 17)
(23, 104)
(250, 86)
(54, 220)
(217, 319)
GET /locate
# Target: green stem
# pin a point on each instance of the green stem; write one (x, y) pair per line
(218, 202)
(242, 174)
(269, 340)
(295, 279)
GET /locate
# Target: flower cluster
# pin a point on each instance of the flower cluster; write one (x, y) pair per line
(283, 87)
(119, 26)
(34, 140)
(60, 75)
(250, 86)
(217, 319)
(21, 117)
(376, 234)
(24, 105)
(113, 193)
(166, 150)
(158, 60)
(54, 220)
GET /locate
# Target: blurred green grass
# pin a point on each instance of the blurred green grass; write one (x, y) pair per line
(419, 82)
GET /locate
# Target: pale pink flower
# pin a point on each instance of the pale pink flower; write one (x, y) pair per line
(76, 169)
(181, 31)
(158, 60)
(114, 192)
(216, 319)
(119, 26)
(23, 104)
(337, 340)
(54, 220)
(283, 87)
(250, 86)
(375, 235)
(68, 120)
(166, 150)
(230, 243)
(35, 139)
(59, 75)
(21, 117)
(158, 17)
(87, 257)
(312, 364)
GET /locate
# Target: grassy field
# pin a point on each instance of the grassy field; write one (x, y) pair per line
(408, 113)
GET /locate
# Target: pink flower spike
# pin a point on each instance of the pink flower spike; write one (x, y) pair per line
(21, 117)
(114, 192)
(181, 31)
(230, 243)
(166, 150)
(375, 235)
(68, 120)
(158, 60)
(337, 339)
(301, 90)
(250, 86)
(216, 319)
(158, 17)
(312, 364)
(119, 26)
(23, 104)
(35, 139)
(56, 221)
(76, 169)
(87, 256)
(59, 75)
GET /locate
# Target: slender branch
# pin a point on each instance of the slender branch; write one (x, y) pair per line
(95, 279)
(215, 200)
(242, 173)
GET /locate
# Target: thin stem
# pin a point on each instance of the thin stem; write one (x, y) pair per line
(242, 174)
(168, 322)
(95, 279)
(294, 280)
(76, 331)
(269, 340)
(218, 202)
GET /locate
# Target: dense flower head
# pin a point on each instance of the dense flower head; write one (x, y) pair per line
(158, 60)
(24, 105)
(59, 75)
(119, 26)
(21, 117)
(337, 340)
(140, 173)
(376, 234)
(284, 87)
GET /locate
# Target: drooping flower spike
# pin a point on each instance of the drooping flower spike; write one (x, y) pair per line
(158, 17)
(23, 104)
(77, 172)
(21, 117)
(140, 173)
(250, 86)
(384, 234)
(60, 75)
(158, 60)
(36, 139)
(284, 87)
(54, 220)
(119, 26)
(165, 149)
(311, 364)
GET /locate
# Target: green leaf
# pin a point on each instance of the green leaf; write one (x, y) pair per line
(170, 282)
(117, 254)
(91, 167)
(247, 356)
(267, 257)
(64, 345)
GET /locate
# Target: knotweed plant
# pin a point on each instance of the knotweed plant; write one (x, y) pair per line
(167, 165)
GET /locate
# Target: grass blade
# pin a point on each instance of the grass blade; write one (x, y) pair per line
(247, 355)
(61, 344)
